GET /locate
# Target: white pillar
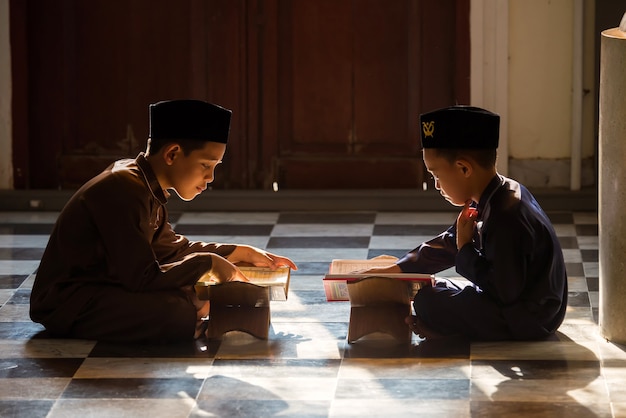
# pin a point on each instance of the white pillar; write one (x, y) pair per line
(612, 185)
(489, 66)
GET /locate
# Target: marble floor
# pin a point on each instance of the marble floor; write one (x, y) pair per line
(306, 367)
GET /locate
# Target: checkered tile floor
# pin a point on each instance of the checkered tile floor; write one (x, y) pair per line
(306, 367)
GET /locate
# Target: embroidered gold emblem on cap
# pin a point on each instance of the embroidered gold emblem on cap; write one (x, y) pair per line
(428, 128)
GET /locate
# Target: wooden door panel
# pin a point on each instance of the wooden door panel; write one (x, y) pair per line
(118, 73)
(346, 112)
(344, 86)
(315, 76)
(46, 93)
(381, 74)
(112, 60)
(97, 66)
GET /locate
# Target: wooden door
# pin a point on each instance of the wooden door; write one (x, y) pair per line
(92, 69)
(343, 83)
(324, 93)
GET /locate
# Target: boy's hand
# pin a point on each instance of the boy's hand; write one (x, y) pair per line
(225, 271)
(259, 258)
(465, 224)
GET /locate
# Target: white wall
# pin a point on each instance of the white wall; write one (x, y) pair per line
(540, 76)
(530, 43)
(6, 167)
(589, 148)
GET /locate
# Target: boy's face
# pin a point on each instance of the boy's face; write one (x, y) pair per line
(189, 174)
(450, 178)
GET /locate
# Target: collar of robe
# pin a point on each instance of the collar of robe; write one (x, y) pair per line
(151, 179)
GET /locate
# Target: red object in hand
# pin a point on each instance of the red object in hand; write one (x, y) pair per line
(472, 212)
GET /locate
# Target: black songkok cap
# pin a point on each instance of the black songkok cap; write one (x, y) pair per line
(189, 119)
(460, 127)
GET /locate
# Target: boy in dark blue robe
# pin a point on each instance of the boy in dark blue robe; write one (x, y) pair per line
(502, 241)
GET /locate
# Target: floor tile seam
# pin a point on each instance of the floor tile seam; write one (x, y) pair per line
(134, 358)
(551, 404)
(417, 379)
(139, 378)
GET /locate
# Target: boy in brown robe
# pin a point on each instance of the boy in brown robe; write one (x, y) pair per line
(114, 269)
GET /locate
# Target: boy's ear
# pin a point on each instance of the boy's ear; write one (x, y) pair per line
(465, 167)
(170, 153)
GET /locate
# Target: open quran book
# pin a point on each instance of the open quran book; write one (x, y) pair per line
(276, 280)
(343, 271)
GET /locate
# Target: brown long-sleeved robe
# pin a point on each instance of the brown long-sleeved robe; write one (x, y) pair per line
(114, 269)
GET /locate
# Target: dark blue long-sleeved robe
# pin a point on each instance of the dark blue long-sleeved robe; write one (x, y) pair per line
(515, 263)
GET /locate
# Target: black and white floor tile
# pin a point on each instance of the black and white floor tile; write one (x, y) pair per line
(306, 368)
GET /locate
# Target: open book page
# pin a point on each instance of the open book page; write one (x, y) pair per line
(342, 271)
(350, 266)
(265, 277)
(277, 280)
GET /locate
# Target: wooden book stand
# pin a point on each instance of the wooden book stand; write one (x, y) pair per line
(379, 304)
(237, 306)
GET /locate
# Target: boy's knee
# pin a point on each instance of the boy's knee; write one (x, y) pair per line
(177, 320)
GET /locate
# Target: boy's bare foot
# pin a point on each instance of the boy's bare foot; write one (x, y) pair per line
(420, 329)
(202, 316)
(201, 327)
